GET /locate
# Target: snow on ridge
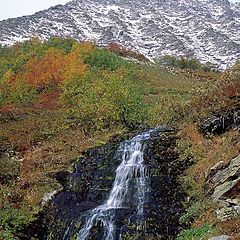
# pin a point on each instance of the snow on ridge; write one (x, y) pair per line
(206, 29)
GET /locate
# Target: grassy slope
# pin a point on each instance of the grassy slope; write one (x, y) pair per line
(172, 93)
(38, 141)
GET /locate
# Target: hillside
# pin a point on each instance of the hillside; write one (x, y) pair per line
(62, 97)
(207, 30)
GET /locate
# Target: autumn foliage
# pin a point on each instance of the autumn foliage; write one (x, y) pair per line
(220, 95)
(51, 69)
(94, 85)
(45, 71)
(55, 97)
(124, 52)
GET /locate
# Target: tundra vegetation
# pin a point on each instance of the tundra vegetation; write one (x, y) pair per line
(51, 91)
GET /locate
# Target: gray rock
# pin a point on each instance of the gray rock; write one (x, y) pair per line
(213, 170)
(224, 180)
(226, 213)
(223, 237)
(221, 190)
(224, 186)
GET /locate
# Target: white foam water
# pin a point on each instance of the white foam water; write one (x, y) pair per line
(131, 167)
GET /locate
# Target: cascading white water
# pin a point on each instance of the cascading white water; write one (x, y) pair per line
(131, 167)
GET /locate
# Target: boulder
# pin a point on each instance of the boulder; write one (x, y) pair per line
(228, 212)
(222, 190)
(223, 184)
(223, 180)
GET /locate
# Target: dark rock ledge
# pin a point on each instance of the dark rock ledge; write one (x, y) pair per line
(221, 122)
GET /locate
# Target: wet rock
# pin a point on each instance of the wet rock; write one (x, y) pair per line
(221, 122)
(61, 177)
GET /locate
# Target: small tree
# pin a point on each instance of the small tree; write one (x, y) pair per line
(102, 100)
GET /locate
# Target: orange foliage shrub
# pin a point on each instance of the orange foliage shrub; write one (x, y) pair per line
(45, 71)
(52, 69)
(124, 52)
(75, 66)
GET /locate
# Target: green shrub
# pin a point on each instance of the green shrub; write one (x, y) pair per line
(64, 44)
(196, 233)
(185, 63)
(12, 220)
(18, 93)
(101, 100)
(6, 235)
(22, 94)
(192, 213)
(166, 110)
(104, 59)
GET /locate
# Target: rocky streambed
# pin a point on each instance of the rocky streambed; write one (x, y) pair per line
(151, 208)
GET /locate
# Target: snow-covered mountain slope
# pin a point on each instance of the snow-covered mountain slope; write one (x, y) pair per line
(206, 29)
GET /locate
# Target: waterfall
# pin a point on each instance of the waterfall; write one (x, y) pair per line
(119, 191)
(132, 168)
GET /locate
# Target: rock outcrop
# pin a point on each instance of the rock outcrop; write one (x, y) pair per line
(223, 185)
(222, 237)
(221, 122)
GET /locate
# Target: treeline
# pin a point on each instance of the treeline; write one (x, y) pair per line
(98, 88)
(185, 63)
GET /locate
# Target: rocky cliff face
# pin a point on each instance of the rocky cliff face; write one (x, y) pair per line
(206, 29)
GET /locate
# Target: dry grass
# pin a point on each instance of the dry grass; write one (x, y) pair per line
(210, 150)
(230, 227)
(206, 153)
(54, 155)
(45, 142)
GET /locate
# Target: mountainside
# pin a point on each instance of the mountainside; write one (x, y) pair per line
(61, 97)
(206, 29)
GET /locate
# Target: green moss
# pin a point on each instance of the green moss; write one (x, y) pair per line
(193, 212)
(13, 219)
(197, 233)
